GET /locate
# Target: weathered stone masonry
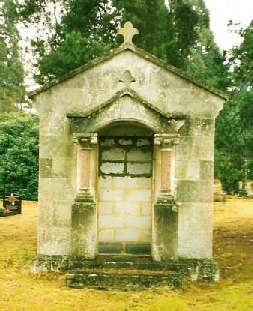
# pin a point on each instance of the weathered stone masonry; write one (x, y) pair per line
(126, 161)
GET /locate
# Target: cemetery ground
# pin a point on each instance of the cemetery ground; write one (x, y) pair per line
(233, 250)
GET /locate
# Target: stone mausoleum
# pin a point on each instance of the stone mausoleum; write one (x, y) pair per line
(126, 162)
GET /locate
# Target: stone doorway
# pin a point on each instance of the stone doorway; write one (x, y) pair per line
(125, 193)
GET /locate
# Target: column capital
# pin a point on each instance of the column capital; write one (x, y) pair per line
(166, 140)
(85, 140)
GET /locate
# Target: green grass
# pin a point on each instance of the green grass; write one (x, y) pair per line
(233, 250)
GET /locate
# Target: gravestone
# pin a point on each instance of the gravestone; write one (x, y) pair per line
(12, 205)
(126, 164)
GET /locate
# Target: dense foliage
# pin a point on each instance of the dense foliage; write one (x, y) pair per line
(178, 34)
(234, 133)
(12, 89)
(18, 131)
(81, 31)
(19, 154)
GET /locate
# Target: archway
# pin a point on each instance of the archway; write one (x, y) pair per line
(124, 190)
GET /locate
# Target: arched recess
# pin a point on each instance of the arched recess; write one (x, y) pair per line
(124, 188)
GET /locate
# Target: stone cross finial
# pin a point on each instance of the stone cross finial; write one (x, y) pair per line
(128, 32)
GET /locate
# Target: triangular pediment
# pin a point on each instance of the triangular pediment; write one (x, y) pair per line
(124, 93)
(125, 106)
(141, 53)
(146, 78)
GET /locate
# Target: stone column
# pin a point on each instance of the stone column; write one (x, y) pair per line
(84, 215)
(166, 143)
(166, 164)
(84, 144)
(84, 164)
(165, 209)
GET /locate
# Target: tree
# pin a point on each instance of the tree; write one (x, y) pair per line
(204, 60)
(179, 34)
(228, 160)
(83, 30)
(19, 154)
(166, 32)
(243, 81)
(234, 137)
(12, 88)
(183, 21)
(150, 19)
(88, 29)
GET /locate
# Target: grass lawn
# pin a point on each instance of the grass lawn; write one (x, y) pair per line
(233, 250)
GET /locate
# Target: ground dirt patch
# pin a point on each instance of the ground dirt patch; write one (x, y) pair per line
(233, 250)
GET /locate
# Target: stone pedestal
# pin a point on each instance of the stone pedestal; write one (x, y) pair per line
(166, 227)
(84, 224)
(83, 210)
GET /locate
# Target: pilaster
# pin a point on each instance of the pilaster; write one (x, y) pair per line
(165, 223)
(83, 212)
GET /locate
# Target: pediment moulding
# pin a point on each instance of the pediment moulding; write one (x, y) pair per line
(125, 105)
(146, 117)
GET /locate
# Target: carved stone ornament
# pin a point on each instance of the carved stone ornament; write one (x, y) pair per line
(128, 31)
(176, 125)
(127, 79)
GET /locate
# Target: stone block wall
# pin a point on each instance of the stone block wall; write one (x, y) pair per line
(194, 179)
(95, 97)
(124, 212)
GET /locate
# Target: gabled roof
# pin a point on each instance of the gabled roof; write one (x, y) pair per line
(141, 53)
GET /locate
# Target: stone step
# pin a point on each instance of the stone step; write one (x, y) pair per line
(125, 273)
(131, 265)
(123, 279)
(76, 263)
(124, 258)
(138, 274)
(130, 262)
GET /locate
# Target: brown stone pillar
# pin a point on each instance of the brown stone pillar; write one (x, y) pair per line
(84, 164)
(166, 142)
(166, 157)
(83, 213)
(165, 220)
(84, 144)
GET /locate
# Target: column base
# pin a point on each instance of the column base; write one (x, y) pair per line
(84, 225)
(84, 196)
(167, 199)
